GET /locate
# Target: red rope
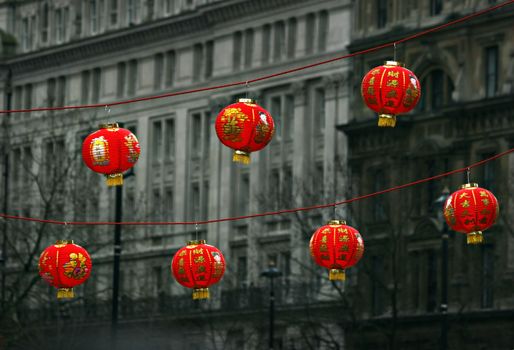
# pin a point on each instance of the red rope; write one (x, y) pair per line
(279, 212)
(270, 76)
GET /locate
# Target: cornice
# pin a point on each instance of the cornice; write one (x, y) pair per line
(116, 41)
(399, 30)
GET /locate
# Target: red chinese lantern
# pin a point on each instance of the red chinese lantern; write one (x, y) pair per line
(245, 127)
(111, 151)
(471, 210)
(390, 90)
(336, 246)
(64, 265)
(198, 266)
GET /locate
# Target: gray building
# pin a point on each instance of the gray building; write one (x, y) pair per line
(57, 53)
(464, 116)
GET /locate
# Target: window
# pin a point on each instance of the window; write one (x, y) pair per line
(169, 6)
(61, 91)
(204, 209)
(436, 6)
(113, 12)
(44, 23)
(236, 53)
(157, 141)
(61, 23)
(169, 150)
(487, 276)
(97, 76)
(196, 133)
(489, 178)
(431, 189)
(248, 47)
(158, 70)
(491, 75)
(122, 74)
(157, 277)
(266, 39)
(243, 194)
(194, 211)
(276, 112)
(431, 266)
(319, 110)
(85, 86)
(207, 130)
(18, 97)
(291, 37)
(132, 74)
(377, 276)
(438, 90)
(288, 119)
(168, 204)
(25, 32)
(28, 96)
(197, 62)
(101, 15)
(378, 204)
(93, 16)
(274, 188)
(317, 180)
(78, 20)
(287, 194)
(309, 33)
(279, 48)
(156, 204)
(50, 92)
(242, 273)
(323, 31)
(150, 9)
(170, 68)
(132, 11)
(381, 13)
(209, 58)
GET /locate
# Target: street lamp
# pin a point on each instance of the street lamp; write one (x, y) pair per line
(439, 207)
(271, 272)
(118, 215)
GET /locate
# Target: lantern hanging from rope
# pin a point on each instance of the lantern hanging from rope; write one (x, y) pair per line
(198, 266)
(64, 265)
(390, 90)
(336, 246)
(111, 151)
(245, 127)
(471, 210)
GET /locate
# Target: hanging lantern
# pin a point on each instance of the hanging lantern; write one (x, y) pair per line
(336, 246)
(64, 265)
(245, 127)
(390, 90)
(111, 151)
(198, 266)
(471, 210)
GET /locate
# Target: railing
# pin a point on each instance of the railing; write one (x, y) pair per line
(251, 299)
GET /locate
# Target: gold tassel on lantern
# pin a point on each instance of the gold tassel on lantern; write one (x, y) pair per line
(114, 179)
(475, 237)
(200, 293)
(336, 275)
(387, 120)
(65, 293)
(241, 157)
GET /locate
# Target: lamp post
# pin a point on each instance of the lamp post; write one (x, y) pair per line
(443, 308)
(118, 215)
(271, 272)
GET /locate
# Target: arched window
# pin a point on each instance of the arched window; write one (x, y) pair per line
(436, 90)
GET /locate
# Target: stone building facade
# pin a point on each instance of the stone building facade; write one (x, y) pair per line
(465, 115)
(70, 52)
